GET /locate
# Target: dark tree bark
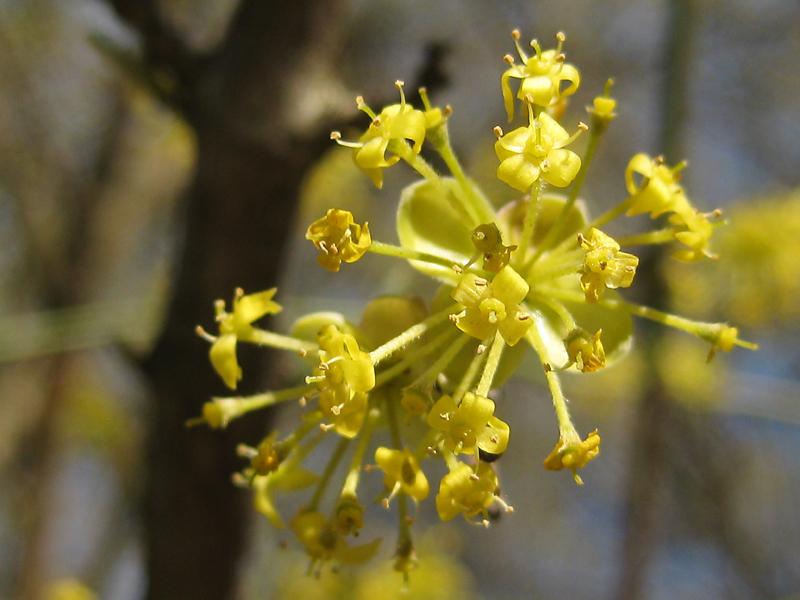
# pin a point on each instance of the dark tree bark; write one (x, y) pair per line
(235, 218)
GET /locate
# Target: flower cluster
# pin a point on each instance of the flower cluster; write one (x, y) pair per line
(414, 383)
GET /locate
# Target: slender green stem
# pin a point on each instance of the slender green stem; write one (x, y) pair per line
(469, 376)
(350, 486)
(330, 468)
(608, 216)
(383, 352)
(529, 224)
(404, 541)
(220, 411)
(401, 366)
(565, 426)
(410, 254)
(657, 236)
(702, 329)
(281, 342)
(479, 209)
(492, 362)
(440, 364)
(558, 226)
(414, 160)
(557, 307)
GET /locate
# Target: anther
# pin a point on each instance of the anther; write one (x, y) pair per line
(515, 34)
(498, 131)
(245, 451)
(326, 427)
(302, 401)
(480, 349)
(509, 60)
(204, 334)
(474, 477)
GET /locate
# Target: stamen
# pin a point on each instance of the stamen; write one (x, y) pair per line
(560, 39)
(423, 94)
(399, 85)
(498, 131)
(364, 107)
(582, 128)
(204, 334)
(336, 136)
(535, 45)
(315, 378)
(515, 35)
(326, 427)
(245, 451)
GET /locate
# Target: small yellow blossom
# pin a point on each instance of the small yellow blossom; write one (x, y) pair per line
(585, 350)
(604, 265)
(338, 238)
(537, 151)
(322, 542)
(466, 492)
(693, 230)
(542, 75)
(487, 240)
(494, 305)
(268, 455)
(348, 518)
(395, 124)
(345, 375)
(658, 190)
(570, 452)
(469, 426)
(402, 473)
(237, 326)
(724, 337)
(603, 107)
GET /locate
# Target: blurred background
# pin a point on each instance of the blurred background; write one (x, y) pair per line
(156, 154)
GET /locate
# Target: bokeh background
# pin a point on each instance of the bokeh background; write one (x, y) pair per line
(156, 154)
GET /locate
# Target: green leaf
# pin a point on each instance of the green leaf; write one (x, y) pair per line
(511, 216)
(427, 221)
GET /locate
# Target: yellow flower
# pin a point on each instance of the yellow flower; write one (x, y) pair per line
(603, 108)
(349, 516)
(604, 266)
(487, 240)
(322, 542)
(345, 375)
(570, 452)
(542, 75)
(464, 491)
(402, 473)
(237, 326)
(494, 305)
(395, 124)
(470, 425)
(723, 337)
(537, 151)
(657, 189)
(338, 238)
(585, 350)
(693, 230)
